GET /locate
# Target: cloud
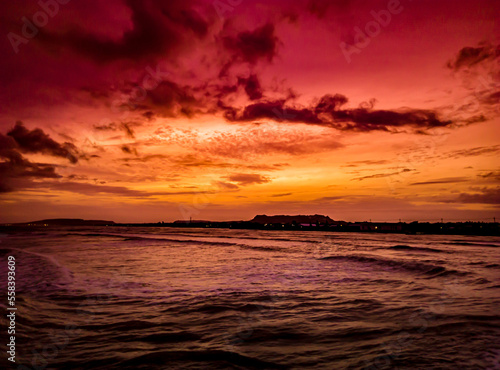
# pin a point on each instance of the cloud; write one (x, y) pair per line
(491, 98)
(191, 160)
(37, 141)
(226, 185)
(264, 140)
(444, 180)
(473, 152)
(320, 8)
(248, 179)
(16, 171)
(329, 112)
(380, 175)
(128, 149)
(252, 142)
(85, 188)
(366, 162)
(478, 196)
(470, 56)
(252, 86)
(146, 158)
(15, 175)
(170, 99)
(252, 46)
(91, 189)
(487, 196)
(113, 126)
(156, 28)
(493, 176)
(281, 195)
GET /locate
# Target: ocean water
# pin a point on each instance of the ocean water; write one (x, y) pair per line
(167, 298)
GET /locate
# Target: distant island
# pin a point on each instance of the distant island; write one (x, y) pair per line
(64, 222)
(295, 222)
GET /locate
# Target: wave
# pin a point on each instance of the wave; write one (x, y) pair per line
(197, 241)
(416, 249)
(66, 273)
(167, 337)
(484, 264)
(214, 308)
(472, 244)
(181, 241)
(260, 248)
(216, 357)
(5, 251)
(202, 242)
(417, 267)
(297, 240)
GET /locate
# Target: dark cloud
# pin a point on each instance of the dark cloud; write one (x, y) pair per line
(274, 110)
(481, 196)
(470, 56)
(113, 126)
(8, 149)
(146, 158)
(128, 149)
(191, 160)
(252, 86)
(321, 8)
(159, 28)
(77, 177)
(367, 162)
(444, 180)
(24, 168)
(491, 98)
(252, 46)
(170, 99)
(281, 195)
(473, 152)
(329, 111)
(37, 141)
(248, 178)
(16, 171)
(380, 175)
(334, 199)
(492, 175)
(149, 115)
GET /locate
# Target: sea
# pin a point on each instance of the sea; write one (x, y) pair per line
(188, 298)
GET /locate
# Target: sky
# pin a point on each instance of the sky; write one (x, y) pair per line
(147, 111)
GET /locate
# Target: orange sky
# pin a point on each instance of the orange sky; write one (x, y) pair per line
(146, 111)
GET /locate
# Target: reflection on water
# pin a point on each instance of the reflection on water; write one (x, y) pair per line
(244, 299)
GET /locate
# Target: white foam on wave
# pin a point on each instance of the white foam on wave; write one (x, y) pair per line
(66, 273)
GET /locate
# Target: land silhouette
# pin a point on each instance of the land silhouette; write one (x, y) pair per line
(294, 222)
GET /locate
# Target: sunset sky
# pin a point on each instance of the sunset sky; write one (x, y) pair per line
(146, 111)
